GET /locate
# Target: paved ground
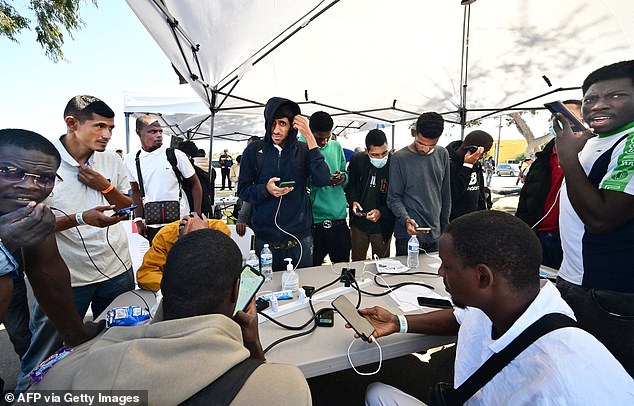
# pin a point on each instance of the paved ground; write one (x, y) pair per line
(413, 373)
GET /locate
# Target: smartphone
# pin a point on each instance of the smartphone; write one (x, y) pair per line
(350, 314)
(287, 183)
(250, 282)
(431, 302)
(124, 212)
(423, 229)
(558, 107)
(470, 148)
(362, 213)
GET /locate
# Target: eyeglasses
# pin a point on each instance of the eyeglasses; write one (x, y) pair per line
(12, 174)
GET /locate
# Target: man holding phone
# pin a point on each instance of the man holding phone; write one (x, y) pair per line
(94, 183)
(331, 234)
(467, 178)
(493, 279)
(596, 217)
(282, 215)
(196, 349)
(420, 188)
(371, 220)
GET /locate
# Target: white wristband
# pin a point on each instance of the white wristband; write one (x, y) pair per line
(137, 219)
(402, 322)
(79, 218)
(468, 165)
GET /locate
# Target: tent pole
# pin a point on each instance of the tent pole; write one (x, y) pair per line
(393, 131)
(497, 150)
(211, 148)
(464, 68)
(127, 132)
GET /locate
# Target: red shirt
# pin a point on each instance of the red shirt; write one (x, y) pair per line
(551, 222)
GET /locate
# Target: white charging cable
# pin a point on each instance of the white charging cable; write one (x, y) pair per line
(551, 207)
(372, 340)
(301, 250)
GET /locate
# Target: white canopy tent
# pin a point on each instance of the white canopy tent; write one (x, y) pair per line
(183, 114)
(388, 60)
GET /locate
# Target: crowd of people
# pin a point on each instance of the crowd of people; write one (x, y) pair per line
(300, 196)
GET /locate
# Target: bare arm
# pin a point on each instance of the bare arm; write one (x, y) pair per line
(96, 181)
(440, 322)
(197, 193)
(49, 277)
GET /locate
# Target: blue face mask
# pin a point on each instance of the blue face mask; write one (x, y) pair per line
(378, 162)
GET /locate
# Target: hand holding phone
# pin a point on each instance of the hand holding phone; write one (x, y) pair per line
(124, 212)
(351, 315)
(250, 282)
(423, 230)
(558, 107)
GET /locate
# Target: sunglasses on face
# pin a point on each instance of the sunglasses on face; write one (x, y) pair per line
(13, 174)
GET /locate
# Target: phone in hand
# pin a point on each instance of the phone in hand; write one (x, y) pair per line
(250, 282)
(351, 315)
(124, 212)
(287, 183)
(431, 302)
(470, 148)
(558, 107)
(362, 213)
(427, 229)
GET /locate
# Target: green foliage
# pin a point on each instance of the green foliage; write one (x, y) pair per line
(53, 19)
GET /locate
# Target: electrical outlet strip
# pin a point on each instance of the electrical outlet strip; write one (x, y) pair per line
(296, 305)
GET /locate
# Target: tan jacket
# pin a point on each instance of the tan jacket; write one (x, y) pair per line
(173, 360)
(150, 272)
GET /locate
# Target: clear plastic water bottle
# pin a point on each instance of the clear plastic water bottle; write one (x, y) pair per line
(266, 260)
(412, 252)
(253, 260)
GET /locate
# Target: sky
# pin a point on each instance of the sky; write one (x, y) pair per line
(111, 53)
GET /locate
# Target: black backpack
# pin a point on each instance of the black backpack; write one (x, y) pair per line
(203, 177)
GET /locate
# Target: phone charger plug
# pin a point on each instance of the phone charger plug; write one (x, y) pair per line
(347, 276)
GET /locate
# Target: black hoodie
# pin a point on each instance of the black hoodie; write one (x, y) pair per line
(296, 162)
(467, 184)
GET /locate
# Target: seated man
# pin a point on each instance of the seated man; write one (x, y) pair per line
(150, 272)
(195, 341)
(493, 279)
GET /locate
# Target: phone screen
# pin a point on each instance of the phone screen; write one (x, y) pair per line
(350, 314)
(250, 282)
(559, 107)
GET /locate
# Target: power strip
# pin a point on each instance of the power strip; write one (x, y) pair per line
(296, 305)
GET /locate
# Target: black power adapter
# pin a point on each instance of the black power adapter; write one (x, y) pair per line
(347, 276)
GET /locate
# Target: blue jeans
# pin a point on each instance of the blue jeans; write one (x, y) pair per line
(551, 248)
(278, 255)
(46, 340)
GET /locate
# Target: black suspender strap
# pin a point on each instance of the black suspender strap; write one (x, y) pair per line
(138, 174)
(498, 361)
(223, 390)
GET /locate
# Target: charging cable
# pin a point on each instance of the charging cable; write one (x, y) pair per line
(551, 207)
(372, 340)
(147, 306)
(301, 250)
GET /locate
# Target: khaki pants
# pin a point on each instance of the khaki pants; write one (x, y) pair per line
(361, 241)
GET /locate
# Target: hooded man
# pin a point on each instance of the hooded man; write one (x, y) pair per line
(274, 177)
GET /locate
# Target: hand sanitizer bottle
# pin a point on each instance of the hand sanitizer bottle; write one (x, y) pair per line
(290, 279)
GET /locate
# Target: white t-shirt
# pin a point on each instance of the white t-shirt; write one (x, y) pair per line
(72, 196)
(600, 261)
(159, 181)
(567, 366)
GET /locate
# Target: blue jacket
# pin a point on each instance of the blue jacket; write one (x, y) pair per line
(296, 162)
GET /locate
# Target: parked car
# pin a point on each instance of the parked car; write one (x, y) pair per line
(505, 170)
